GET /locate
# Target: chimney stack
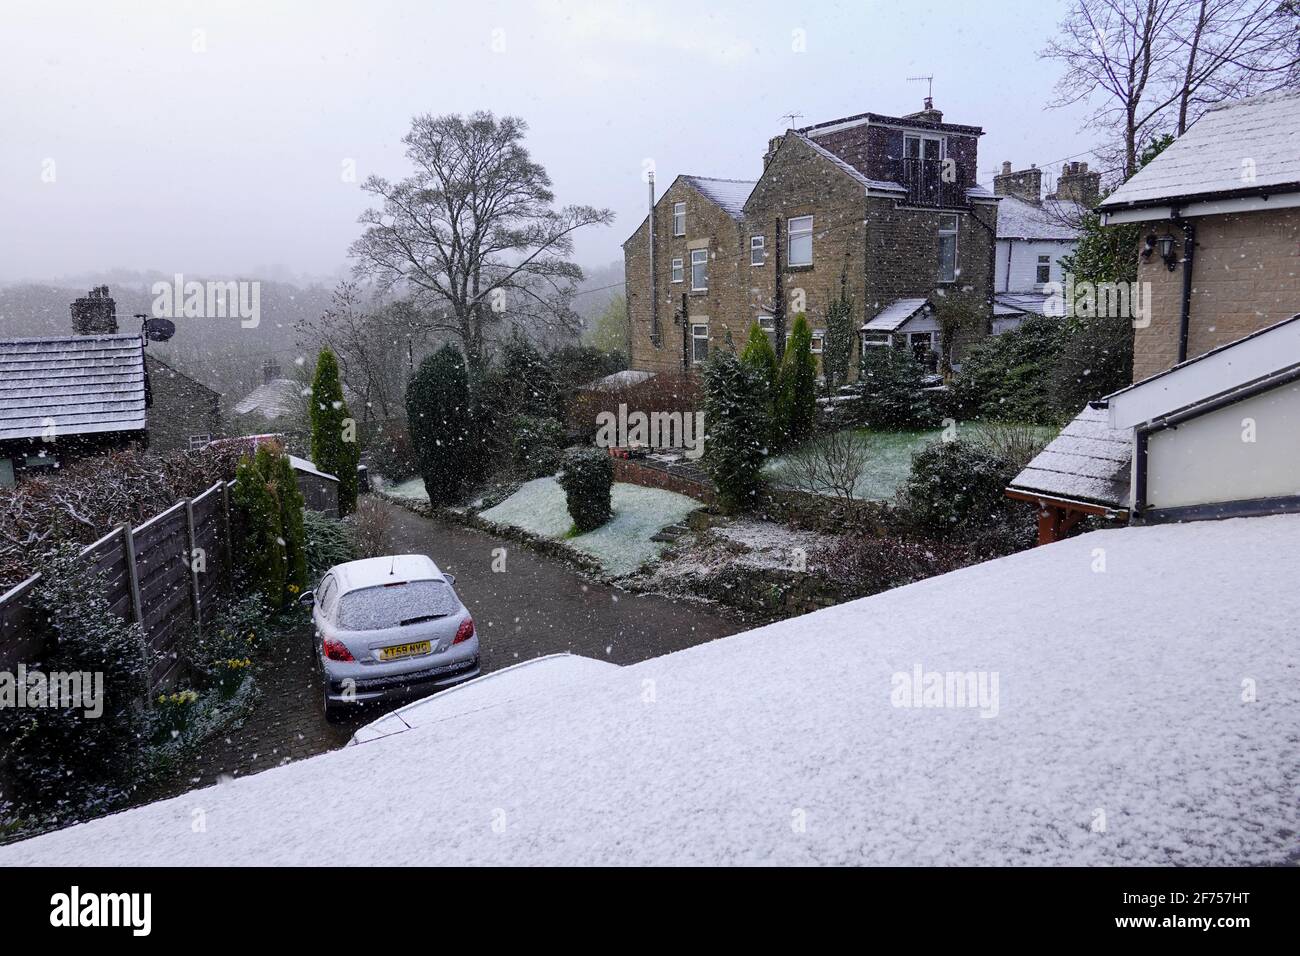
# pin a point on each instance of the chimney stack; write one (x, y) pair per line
(1027, 184)
(95, 313)
(772, 145)
(928, 115)
(1076, 184)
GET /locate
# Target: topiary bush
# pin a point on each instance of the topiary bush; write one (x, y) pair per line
(587, 477)
(334, 446)
(441, 424)
(738, 429)
(796, 389)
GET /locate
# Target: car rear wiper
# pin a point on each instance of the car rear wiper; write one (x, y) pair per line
(417, 620)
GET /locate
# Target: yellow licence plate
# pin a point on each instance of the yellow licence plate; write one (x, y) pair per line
(404, 650)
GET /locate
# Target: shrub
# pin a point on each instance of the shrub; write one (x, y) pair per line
(891, 387)
(738, 429)
(438, 415)
(389, 451)
(1013, 442)
(588, 480)
(536, 446)
(859, 565)
(334, 446)
(758, 352)
(328, 542)
(957, 489)
(62, 763)
(796, 397)
(369, 525)
(237, 629)
(837, 348)
(262, 563)
(663, 392)
(1008, 376)
(1095, 358)
(829, 464)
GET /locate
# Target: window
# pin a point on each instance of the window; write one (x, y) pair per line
(947, 248)
(677, 269)
(1044, 269)
(767, 324)
(395, 605)
(699, 270)
(679, 219)
(876, 340)
(199, 441)
(6, 472)
(40, 462)
(923, 147)
(756, 251)
(800, 242)
(818, 337)
(922, 344)
(699, 343)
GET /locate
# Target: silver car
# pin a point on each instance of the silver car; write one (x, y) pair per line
(389, 628)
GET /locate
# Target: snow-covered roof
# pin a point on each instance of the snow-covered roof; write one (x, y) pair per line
(1088, 462)
(278, 398)
(1116, 737)
(895, 314)
(302, 464)
(1248, 361)
(1244, 147)
(83, 383)
(1013, 303)
(1050, 221)
(624, 379)
(730, 194)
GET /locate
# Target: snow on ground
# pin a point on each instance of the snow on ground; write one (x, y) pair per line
(622, 545)
(744, 542)
(888, 466)
(412, 488)
(1124, 733)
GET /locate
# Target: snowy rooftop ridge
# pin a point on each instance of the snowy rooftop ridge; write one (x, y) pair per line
(1246, 147)
(1115, 691)
(84, 384)
(729, 194)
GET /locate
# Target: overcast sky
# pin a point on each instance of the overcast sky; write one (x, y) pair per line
(222, 152)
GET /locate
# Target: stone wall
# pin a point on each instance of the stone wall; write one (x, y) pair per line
(1246, 276)
(182, 408)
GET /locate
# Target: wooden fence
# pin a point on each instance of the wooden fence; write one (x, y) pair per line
(162, 573)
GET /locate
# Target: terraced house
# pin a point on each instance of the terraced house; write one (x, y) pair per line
(883, 209)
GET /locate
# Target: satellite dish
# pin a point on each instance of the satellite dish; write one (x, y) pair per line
(159, 330)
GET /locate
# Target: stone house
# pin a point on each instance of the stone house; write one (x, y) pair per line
(1220, 216)
(880, 208)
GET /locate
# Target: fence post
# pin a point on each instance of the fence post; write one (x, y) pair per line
(230, 548)
(132, 573)
(192, 542)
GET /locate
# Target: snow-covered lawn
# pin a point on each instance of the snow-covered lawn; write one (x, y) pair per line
(412, 488)
(622, 545)
(1140, 707)
(888, 466)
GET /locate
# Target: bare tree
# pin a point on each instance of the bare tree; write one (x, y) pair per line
(829, 464)
(1231, 49)
(472, 235)
(1121, 48)
(374, 343)
(1157, 64)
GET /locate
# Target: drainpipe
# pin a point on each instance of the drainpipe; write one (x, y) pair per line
(654, 286)
(778, 302)
(1185, 317)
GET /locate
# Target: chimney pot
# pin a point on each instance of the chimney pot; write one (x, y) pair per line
(1006, 167)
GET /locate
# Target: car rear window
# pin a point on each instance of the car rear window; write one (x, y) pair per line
(393, 605)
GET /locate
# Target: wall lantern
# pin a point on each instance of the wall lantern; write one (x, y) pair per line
(1166, 244)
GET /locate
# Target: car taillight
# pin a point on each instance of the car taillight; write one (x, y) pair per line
(337, 651)
(465, 631)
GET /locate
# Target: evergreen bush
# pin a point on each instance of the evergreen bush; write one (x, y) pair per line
(738, 429)
(587, 478)
(441, 424)
(335, 449)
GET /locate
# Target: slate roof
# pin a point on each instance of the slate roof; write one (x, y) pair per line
(278, 398)
(892, 316)
(1018, 219)
(1088, 462)
(1259, 135)
(730, 194)
(86, 383)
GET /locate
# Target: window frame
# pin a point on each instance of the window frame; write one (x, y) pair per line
(1043, 273)
(696, 339)
(943, 233)
(941, 140)
(702, 262)
(790, 237)
(678, 273)
(758, 244)
(679, 219)
(818, 335)
(199, 442)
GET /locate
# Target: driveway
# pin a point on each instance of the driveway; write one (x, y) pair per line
(536, 605)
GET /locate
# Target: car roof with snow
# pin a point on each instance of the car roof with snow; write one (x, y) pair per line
(391, 568)
(1134, 723)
